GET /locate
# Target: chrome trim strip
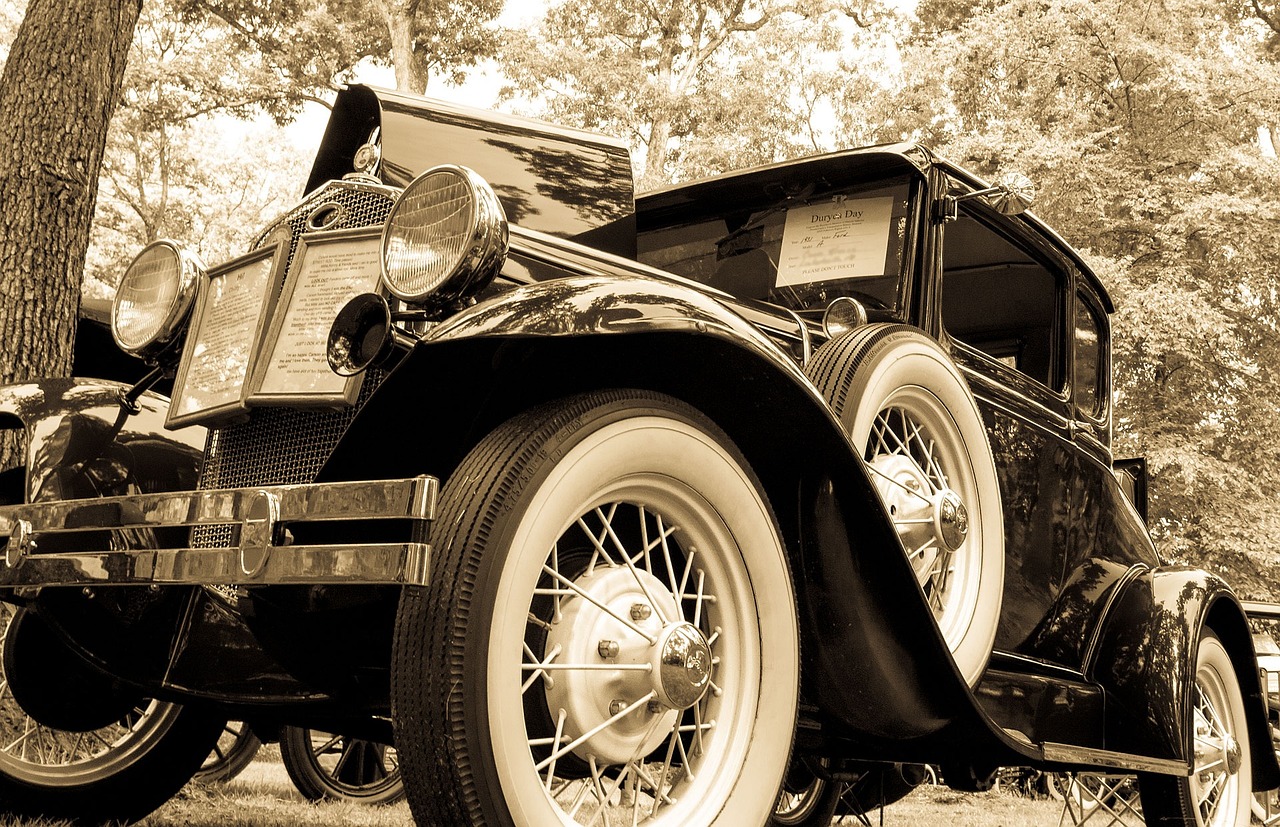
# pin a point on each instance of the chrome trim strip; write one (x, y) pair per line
(384, 563)
(1257, 608)
(260, 556)
(373, 500)
(1088, 756)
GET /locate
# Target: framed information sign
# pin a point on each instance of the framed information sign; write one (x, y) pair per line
(329, 269)
(232, 308)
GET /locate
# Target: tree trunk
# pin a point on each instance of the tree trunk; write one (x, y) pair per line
(412, 73)
(57, 93)
(58, 90)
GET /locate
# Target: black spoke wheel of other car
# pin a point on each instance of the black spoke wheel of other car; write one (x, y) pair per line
(325, 766)
(610, 633)
(114, 773)
(807, 799)
(237, 745)
(905, 404)
(1218, 791)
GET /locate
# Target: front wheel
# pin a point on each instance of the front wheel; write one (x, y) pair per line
(610, 631)
(1217, 793)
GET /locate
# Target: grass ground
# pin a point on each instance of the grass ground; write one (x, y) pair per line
(263, 796)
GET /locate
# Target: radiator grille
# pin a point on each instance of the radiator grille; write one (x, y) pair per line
(286, 446)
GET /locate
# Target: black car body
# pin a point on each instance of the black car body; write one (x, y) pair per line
(329, 559)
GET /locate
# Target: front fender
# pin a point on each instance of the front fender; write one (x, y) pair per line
(609, 305)
(82, 443)
(1146, 661)
(873, 659)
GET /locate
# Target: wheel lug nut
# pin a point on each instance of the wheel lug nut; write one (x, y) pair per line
(608, 649)
(641, 611)
(616, 706)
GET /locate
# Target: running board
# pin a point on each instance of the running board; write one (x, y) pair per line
(1122, 761)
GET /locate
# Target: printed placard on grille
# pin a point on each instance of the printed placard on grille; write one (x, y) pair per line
(231, 312)
(329, 269)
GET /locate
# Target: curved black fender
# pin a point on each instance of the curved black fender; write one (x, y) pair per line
(81, 442)
(1146, 661)
(872, 656)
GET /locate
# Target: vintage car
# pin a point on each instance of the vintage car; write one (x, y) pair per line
(713, 506)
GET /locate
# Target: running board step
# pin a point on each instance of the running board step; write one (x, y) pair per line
(1123, 761)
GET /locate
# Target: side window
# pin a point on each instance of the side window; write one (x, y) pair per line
(1000, 299)
(1090, 360)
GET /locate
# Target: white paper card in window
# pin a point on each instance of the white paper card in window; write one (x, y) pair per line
(835, 240)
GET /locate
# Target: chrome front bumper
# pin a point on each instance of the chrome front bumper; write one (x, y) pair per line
(263, 554)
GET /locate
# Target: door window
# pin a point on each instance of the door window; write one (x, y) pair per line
(1002, 300)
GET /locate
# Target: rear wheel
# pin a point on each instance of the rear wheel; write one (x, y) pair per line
(610, 633)
(334, 767)
(906, 406)
(115, 771)
(1217, 794)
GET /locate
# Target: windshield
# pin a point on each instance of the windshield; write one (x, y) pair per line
(800, 251)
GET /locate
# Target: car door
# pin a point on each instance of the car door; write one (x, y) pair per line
(1003, 302)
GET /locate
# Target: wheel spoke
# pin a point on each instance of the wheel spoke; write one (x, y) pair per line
(658, 608)
(551, 770)
(663, 534)
(872, 468)
(325, 747)
(540, 668)
(601, 606)
(586, 736)
(597, 542)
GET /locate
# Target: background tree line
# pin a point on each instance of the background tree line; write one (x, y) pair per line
(1149, 127)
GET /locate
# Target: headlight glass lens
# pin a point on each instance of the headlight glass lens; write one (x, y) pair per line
(153, 297)
(443, 237)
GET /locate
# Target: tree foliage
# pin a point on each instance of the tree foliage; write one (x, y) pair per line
(1140, 122)
(694, 85)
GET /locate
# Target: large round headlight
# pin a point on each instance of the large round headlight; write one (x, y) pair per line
(154, 297)
(445, 238)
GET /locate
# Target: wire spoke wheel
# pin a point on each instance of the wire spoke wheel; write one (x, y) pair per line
(807, 799)
(1217, 793)
(119, 768)
(40, 754)
(918, 466)
(235, 750)
(1216, 751)
(909, 412)
(327, 766)
(636, 625)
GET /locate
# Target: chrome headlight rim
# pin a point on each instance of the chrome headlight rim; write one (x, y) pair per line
(486, 241)
(172, 324)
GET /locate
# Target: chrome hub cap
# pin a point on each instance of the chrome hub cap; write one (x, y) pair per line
(932, 521)
(950, 519)
(684, 666)
(643, 670)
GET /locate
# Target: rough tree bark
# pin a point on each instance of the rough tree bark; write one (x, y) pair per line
(58, 90)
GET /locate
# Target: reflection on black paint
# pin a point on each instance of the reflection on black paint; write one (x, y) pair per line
(587, 183)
